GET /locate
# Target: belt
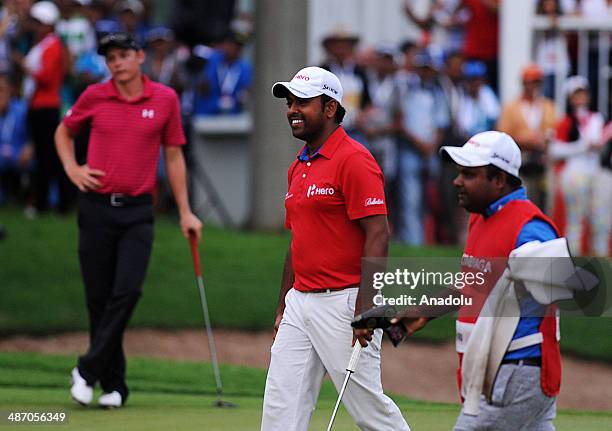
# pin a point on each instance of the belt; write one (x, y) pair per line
(119, 199)
(533, 362)
(324, 290)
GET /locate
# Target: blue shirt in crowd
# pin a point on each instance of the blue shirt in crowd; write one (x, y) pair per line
(227, 84)
(13, 133)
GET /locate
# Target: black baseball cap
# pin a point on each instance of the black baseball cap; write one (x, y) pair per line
(117, 40)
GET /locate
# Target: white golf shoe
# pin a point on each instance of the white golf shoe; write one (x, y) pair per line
(80, 391)
(110, 400)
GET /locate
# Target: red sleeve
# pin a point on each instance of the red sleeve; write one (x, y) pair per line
(173, 132)
(362, 184)
(52, 65)
(81, 112)
(563, 129)
(470, 4)
(475, 4)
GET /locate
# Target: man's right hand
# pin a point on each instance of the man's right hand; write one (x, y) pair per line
(277, 322)
(85, 178)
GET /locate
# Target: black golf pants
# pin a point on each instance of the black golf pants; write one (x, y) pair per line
(114, 250)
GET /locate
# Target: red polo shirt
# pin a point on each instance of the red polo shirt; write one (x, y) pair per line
(50, 74)
(327, 195)
(126, 134)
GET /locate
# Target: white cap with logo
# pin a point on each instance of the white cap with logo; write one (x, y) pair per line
(310, 82)
(488, 148)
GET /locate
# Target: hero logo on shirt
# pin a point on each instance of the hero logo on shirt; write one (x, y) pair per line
(374, 201)
(148, 113)
(313, 190)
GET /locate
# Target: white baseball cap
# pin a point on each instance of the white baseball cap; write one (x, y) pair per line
(310, 82)
(488, 148)
(575, 83)
(45, 12)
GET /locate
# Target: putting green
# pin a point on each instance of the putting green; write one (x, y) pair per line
(171, 395)
(154, 411)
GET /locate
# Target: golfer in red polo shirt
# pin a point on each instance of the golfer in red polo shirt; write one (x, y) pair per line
(130, 118)
(336, 212)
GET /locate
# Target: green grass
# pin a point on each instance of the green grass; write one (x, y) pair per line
(178, 395)
(41, 290)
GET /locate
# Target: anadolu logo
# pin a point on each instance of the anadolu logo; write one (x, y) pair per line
(313, 190)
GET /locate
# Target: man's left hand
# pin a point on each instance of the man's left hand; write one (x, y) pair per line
(190, 223)
(363, 335)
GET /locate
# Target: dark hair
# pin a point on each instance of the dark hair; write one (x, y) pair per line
(340, 111)
(540, 7)
(574, 130)
(407, 45)
(493, 171)
(453, 54)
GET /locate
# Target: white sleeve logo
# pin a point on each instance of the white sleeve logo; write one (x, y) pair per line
(374, 201)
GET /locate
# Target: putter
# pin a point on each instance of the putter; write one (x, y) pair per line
(195, 254)
(350, 369)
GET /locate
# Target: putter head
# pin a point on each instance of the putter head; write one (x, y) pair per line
(380, 317)
(224, 404)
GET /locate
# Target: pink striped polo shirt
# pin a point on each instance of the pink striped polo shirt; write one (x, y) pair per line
(126, 135)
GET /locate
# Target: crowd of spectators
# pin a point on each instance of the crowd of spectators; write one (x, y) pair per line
(48, 56)
(404, 100)
(442, 87)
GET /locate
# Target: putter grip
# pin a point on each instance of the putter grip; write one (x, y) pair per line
(195, 253)
(352, 366)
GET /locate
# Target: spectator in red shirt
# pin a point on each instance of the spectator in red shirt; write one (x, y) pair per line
(482, 35)
(45, 66)
(131, 117)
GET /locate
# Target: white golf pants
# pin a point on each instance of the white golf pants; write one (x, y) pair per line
(315, 337)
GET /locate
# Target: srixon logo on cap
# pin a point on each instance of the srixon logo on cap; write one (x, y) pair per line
(500, 157)
(302, 77)
(327, 87)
